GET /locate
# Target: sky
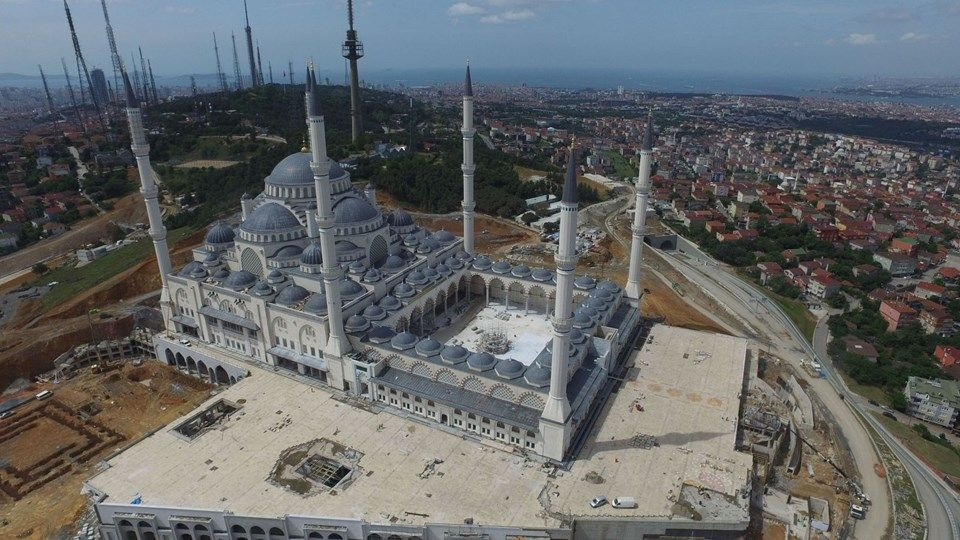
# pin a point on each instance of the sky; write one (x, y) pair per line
(848, 38)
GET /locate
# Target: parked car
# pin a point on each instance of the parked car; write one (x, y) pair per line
(597, 502)
(624, 502)
(889, 414)
(873, 402)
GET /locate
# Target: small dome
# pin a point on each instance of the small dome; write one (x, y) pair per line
(608, 285)
(291, 294)
(403, 341)
(453, 263)
(374, 312)
(537, 375)
(211, 259)
(444, 237)
(416, 278)
(189, 267)
(261, 289)
(430, 242)
(431, 274)
(571, 349)
(411, 240)
(588, 311)
(198, 273)
(350, 289)
(354, 210)
(275, 276)
(429, 347)
(239, 280)
(270, 218)
(317, 304)
(221, 274)
(444, 270)
(400, 218)
(482, 263)
(424, 248)
(357, 267)
(508, 368)
(521, 271)
(390, 303)
(606, 296)
(542, 275)
(288, 252)
(481, 361)
(393, 263)
(380, 334)
(404, 290)
(582, 320)
(584, 282)
(313, 255)
(577, 337)
(598, 304)
(371, 276)
(454, 354)
(502, 267)
(356, 323)
(220, 233)
(464, 256)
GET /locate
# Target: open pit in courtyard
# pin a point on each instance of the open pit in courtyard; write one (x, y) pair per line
(527, 333)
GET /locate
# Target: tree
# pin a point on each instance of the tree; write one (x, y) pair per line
(898, 401)
(528, 218)
(40, 269)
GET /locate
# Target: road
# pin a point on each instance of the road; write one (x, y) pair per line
(940, 503)
(81, 173)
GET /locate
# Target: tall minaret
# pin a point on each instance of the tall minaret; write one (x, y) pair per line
(148, 186)
(554, 429)
(337, 343)
(468, 166)
(640, 212)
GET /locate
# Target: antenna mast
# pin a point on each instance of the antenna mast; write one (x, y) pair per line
(73, 98)
(236, 64)
(114, 55)
(143, 71)
(82, 63)
(153, 83)
(253, 63)
(221, 78)
(259, 65)
(46, 89)
(353, 51)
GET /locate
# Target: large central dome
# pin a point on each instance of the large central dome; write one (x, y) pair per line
(294, 170)
(270, 218)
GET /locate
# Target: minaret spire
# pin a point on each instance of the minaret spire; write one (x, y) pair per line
(337, 343)
(633, 288)
(468, 166)
(148, 187)
(554, 426)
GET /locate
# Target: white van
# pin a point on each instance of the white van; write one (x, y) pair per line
(858, 512)
(43, 395)
(624, 502)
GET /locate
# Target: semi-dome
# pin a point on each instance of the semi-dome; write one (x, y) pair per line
(288, 252)
(291, 294)
(380, 334)
(275, 276)
(481, 361)
(294, 170)
(354, 210)
(220, 233)
(270, 218)
(403, 341)
(508, 368)
(390, 303)
(356, 323)
(312, 255)
(400, 218)
(542, 274)
(241, 279)
(537, 375)
(429, 347)
(317, 304)
(584, 282)
(374, 312)
(454, 354)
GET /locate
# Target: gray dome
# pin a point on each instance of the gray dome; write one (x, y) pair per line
(502, 267)
(400, 218)
(313, 255)
(481, 361)
(356, 323)
(431, 274)
(357, 267)
(374, 312)
(464, 256)
(222, 273)
(576, 336)
(371, 276)
(424, 248)
(261, 289)
(288, 251)
(453, 263)
(241, 279)
(508, 368)
(403, 290)
(598, 304)
(542, 274)
(582, 320)
(345, 246)
(220, 233)
(444, 270)
(429, 347)
(294, 170)
(411, 240)
(380, 334)
(482, 263)
(584, 282)
(317, 304)
(403, 341)
(350, 289)
(416, 278)
(189, 267)
(537, 375)
(198, 273)
(444, 237)
(608, 285)
(269, 218)
(454, 354)
(521, 271)
(602, 294)
(390, 303)
(292, 294)
(354, 210)
(275, 276)
(393, 263)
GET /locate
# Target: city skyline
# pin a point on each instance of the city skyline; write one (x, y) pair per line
(886, 39)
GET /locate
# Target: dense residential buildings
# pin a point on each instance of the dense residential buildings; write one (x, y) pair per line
(934, 400)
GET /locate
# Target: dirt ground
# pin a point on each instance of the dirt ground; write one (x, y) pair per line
(132, 402)
(128, 209)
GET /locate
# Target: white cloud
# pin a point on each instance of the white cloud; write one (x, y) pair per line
(860, 39)
(517, 15)
(913, 37)
(461, 9)
(491, 19)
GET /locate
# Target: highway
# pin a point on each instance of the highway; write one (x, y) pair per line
(942, 507)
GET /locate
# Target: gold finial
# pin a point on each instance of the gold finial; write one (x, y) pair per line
(304, 147)
(573, 141)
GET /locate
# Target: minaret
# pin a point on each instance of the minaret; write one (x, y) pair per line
(148, 187)
(640, 213)
(337, 344)
(353, 51)
(468, 165)
(554, 429)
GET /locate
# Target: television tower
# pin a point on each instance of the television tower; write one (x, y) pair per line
(290, 71)
(137, 87)
(236, 64)
(270, 70)
(153, 83)
(353, 51)
(46, 89)
(143, 73)
(82, 63)
(221, 78)
(259, 65)
(73, 97)
(114, 55)
(253, 62)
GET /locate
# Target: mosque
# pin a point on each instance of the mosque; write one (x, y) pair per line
(320, 282)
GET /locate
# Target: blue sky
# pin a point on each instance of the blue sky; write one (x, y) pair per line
(758, 37)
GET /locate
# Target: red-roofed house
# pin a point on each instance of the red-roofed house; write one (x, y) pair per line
(929, 290)
(823, 287)
(949, 358)
(897, 314)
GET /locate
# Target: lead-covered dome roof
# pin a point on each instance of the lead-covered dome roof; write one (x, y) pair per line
(294, 170)
(220, 233)
(269, 218)
(354, 210)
